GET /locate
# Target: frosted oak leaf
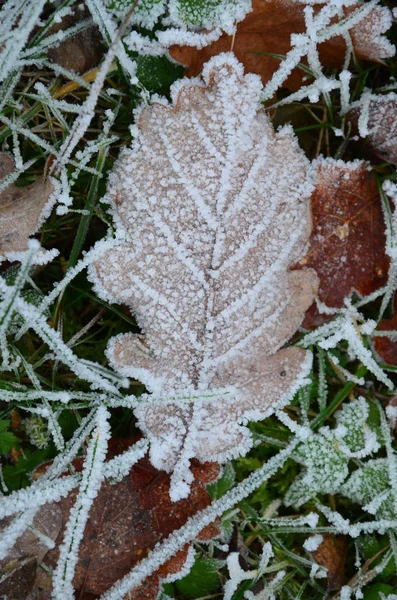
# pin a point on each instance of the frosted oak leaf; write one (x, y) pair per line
(211, 207)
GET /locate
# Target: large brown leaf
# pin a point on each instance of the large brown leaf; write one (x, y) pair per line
(211, 206)
(347, 244)
(21, 209)
(126, 521)
(268, 28)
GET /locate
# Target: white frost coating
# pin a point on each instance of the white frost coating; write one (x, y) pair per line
(139, 43)
(236, 575)
(346, 592)
(211, 207)
(313, 542)
(38, 323)
(90, 484)
(391, 456)
(268, 592)
(391, 413)
(180, 37)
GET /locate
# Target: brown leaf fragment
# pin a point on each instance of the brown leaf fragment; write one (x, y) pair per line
(126, 521)
(21, 209)
(80, 52)
(381, 124)
(268, 28)
(331, 554)
(347, 244)
(386, 347)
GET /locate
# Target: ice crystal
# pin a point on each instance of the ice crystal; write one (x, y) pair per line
(211, 208)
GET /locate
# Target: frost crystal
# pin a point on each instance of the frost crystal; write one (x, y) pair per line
(211, 207)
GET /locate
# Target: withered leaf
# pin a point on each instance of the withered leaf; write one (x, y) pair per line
(268, 28)
(21, 209)
(211, 206)
(331, 554)
(127, 519)
(347, 244)
(386, 347)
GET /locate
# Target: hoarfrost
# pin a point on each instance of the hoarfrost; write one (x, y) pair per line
(313, 542)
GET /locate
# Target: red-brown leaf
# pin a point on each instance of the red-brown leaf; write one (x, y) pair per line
(347, 244)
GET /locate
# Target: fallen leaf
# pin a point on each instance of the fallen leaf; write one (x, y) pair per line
(126, 521)
(80, 52)
(268, 28)
(386, 347)
(347, 244)
(21, 209)
(331, 554)
(206, 203)
(381, 124)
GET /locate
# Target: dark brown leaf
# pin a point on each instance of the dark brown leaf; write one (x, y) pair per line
(347, 244)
